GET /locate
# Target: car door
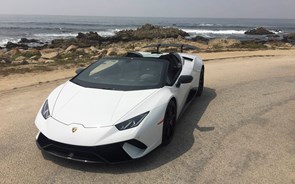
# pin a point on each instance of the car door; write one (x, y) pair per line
(181, 93)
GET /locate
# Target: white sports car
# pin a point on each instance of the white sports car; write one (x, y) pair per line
(119, 108)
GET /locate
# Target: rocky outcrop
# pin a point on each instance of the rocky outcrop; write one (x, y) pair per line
(81, 43)
(259, 31)
(13, 52)
(93, 36)
(94, 49)
(289, 38)
(20, 62)
(26, 40)
(49, 53)
(112, 52)
(64, 43)
(200, 39)
(148, 31)
(4, 57)
(11, 45)
(116, 52)
(71, 48)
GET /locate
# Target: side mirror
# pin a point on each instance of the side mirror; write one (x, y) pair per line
(184, 79)
(79, 70)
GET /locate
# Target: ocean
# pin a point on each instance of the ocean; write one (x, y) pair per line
(47, 28)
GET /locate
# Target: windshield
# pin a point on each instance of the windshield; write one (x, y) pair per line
(124, 74)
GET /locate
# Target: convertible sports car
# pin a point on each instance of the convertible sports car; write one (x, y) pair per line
(119, 108)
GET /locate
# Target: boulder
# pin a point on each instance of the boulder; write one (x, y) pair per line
(49, 61)
(23, 62)
(96, 57)
(89, 36)
(259, 31)
(94, 49)
(200, 39)
(269, 46)
(32, 61)
(41, 60)
(11, 45)
(71, 48)
(180, 37)
(2, 61)
(121, 52)
(80, 50)
(87, 51)
(25, 40)
(137, 49)
(103, 52)
(34, 57)
(112, 52)
(49, 53)
(20, 58)
(13, 52)
(2, 52)
(289, 38)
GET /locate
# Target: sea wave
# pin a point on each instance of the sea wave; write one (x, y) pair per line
(110, 32)
(103, 33)
(210, 25)
(4, 41)
(216, 32)
(56, 35)
(106, 33)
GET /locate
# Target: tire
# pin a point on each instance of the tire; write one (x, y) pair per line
(169, 123)
(201, 82)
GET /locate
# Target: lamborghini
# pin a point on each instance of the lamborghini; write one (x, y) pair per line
(119, 108)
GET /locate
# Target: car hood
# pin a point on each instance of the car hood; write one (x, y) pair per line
(95, 107)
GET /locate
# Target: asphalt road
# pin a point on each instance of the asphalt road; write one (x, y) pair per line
(242, 130)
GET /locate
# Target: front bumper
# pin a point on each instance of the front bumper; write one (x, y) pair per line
(111, 153)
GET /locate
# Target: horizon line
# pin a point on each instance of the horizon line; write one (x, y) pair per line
(118, 16)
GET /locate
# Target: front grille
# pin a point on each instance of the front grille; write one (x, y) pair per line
(111, 153)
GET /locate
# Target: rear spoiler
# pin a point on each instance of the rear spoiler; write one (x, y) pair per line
(182, 46)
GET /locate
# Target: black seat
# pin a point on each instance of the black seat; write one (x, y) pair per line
(174, 68)
(133, 54)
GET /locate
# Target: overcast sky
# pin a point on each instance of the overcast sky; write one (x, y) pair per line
(154, 8)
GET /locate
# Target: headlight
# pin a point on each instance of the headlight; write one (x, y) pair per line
(45, 110)
(131, 123)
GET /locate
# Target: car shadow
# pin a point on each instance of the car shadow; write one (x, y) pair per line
(182, 141)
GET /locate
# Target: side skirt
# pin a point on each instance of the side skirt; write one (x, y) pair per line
(190, 98)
